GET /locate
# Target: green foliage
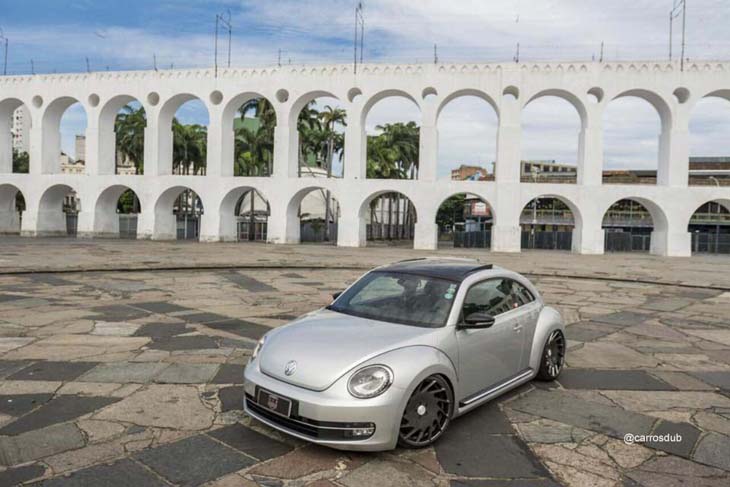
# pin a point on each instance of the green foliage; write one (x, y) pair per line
(451, 211)
(255, 146)
(128, 203)
(393, 154)
(21, 162)
(189, 148)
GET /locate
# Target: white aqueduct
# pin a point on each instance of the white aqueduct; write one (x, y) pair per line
(506, 87)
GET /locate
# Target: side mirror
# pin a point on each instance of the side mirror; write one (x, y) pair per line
(336, 295)
(478, 320)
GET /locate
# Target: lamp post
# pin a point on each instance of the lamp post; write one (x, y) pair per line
(717, 222)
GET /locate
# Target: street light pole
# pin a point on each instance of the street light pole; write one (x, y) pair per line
(717, 222)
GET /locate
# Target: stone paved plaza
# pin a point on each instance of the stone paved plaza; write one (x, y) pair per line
(133, 376)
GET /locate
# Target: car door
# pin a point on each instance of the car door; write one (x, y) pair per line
(490, 356)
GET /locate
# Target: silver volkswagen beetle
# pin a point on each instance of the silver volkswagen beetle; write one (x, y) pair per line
(401, 352)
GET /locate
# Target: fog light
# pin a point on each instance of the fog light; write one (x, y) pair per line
(360, 432)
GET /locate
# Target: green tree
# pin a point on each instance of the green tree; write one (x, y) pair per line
(255, 146)
(129, 127)
(21, 162)
(189, 148)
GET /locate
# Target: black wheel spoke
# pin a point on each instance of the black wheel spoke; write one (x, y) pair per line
(427, 413)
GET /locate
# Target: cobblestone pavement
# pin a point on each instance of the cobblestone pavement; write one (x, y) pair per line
(134, 378)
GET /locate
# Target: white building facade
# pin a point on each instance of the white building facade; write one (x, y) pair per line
(589, 87)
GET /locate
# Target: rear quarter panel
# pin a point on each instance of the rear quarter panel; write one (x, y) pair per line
(548, 321)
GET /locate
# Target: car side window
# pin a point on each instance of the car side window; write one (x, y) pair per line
(522, 295)
(493, 296)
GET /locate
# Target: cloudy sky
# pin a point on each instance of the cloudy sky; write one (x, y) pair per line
(59, 36)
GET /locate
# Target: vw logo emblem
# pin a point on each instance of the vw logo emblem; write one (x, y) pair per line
(290, 367)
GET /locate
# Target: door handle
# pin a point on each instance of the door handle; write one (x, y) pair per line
(517, 327)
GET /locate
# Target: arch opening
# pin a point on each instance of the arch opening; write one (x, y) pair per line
(547, 223)
(252, 124)
(467, 139)
(58, 212)
(116, 213)
(321, 126)
(551, 127)
(709, 136)
(393, 137)
(390, 219)
(129, 124)
(64, 137)
(178, 214)
(252, 213)
(12, 206)
(709, 227)
(628, 225)
(465, 220)
(633, 129)
(15, 125)
(314, 213)
(183, 149)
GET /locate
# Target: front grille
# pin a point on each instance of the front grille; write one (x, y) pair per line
(311, 428)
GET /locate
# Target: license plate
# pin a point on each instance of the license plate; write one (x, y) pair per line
(274, 402)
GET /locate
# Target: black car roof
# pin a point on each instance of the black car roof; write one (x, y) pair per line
(451, 269)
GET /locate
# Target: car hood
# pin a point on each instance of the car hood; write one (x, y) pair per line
(326, 344)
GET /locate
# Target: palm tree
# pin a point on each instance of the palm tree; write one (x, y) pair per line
(189, 148)
(255, 147)
(129, 127)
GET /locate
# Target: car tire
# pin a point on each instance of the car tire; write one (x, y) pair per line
(427, 414)
(553, 356)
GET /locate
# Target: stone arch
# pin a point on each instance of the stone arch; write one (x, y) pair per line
(567, 96)
(476, 228)
(708, 143)
(555, 217)
(107, 220)
(467, 92)
(107, 134)
(709, 227)
(165, 214)
(384, 215)
(649, 223)
(56, 209)
(330, 214)
(51, 125)
(633, 175)
(475, 167)
(228, 145)
(229, 221)
(8, 106)
(12, 206)
(164, 120)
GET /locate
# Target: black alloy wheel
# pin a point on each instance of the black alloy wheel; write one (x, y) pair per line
(553, 357)
(427, 414)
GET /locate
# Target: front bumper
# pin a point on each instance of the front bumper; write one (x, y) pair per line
(328, 417)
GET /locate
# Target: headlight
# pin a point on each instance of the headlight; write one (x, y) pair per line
(258, 347)
(370, 381)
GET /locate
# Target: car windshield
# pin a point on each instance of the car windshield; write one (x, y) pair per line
(399, 298)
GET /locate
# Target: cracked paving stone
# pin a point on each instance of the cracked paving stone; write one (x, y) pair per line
(503, 483)
(666, 304)
(714, 449)
(124, 372)
(231, 398)
(683, 448)
(117, 312)
(229, 374)
(160, 307)
(194, 460)
(247, 282)
(202, 317)
(59, 410)
(19, 475)
(385, 473)
(50, 279)
(587, 331)
(181, 373)
(176, 343)
(4, 298)
(123, 473)
(240, 328)
(19, 404)
(9, 367)
(53, 371)
(719, 379)
(597, 379)
(306, 461)
(40, 443)
(250, 442)
(622, 318)
(566, 408)
(162, 330)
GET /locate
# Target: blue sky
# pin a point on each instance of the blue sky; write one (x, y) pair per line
(58, 36)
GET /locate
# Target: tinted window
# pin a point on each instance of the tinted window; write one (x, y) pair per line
(495, 296)
(399, 298)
